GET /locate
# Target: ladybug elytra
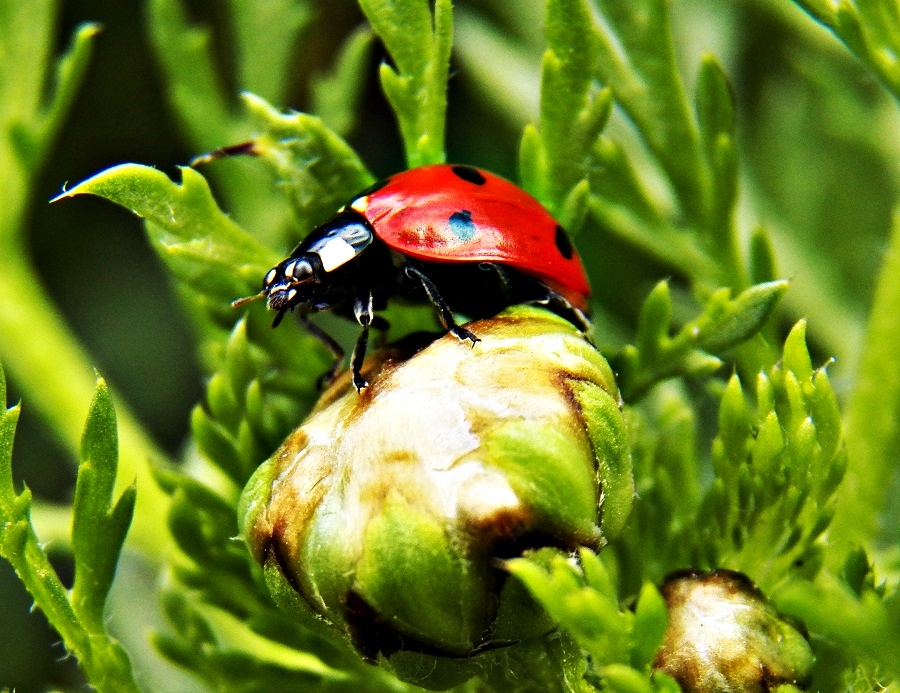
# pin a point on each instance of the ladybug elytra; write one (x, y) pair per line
(450, 235)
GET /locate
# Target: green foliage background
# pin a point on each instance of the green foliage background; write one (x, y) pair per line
(810, 150)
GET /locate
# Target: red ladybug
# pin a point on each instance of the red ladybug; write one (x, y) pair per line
(452, 235)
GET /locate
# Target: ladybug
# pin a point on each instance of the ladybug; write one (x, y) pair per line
(449, 235)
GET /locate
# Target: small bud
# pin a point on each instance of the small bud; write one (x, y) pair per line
(724, 637)
(384, 515)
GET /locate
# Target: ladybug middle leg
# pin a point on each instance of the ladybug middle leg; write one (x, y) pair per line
(363, 310)
(445, 315)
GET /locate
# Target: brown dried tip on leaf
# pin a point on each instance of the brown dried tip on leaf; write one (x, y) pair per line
(724, 637)
(386, 512)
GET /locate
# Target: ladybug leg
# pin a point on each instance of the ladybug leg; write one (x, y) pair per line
(502, 278)
(362, 309)
(562, 306)
(445, 315)
(336, 350)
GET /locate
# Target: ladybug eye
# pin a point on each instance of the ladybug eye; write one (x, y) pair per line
(297, 270)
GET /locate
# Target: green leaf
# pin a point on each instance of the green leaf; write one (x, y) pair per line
(195, 90)
(78, 617)
(715, 119)
(98, 526)
(556, 156)
(652, 336)
(873, 410)
(315, 169)
(779, 465)
(336, 94)
(592, 617)
(762, 262)
(31, 139)
(637, 61)
(869, 28)
(694, 350)
(419, 45)
(866, 624)
(650, 621)
(732, 322)
(266, 33)
(213, 259)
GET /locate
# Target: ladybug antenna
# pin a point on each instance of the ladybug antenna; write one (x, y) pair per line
(238, 302)
(231, 150)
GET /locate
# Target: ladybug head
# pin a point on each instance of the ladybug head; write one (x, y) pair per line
(288, 283)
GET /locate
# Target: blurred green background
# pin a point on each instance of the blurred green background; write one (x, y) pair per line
(818, 141)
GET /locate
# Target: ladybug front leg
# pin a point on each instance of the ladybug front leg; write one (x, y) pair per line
(444, 313)
(362, 309)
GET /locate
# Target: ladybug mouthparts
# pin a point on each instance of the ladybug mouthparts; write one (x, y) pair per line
(281, 297)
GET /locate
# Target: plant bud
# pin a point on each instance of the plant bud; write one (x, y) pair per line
(724, 637)
(384, 515)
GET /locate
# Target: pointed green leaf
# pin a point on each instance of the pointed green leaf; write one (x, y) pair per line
(573, 112)
(650, 621)
(596, 575)
(762, 263)
(734, 422)
(185, 52)
(207, 249)
(796, 356)
(637, 61)
(98, 526)
(218, 445)
(653, 323)
(715, 117)
(8, 498)
(420, 47)
(533, 162)
(98, 534)
(574, 208)
(336, 94)
(743, 316)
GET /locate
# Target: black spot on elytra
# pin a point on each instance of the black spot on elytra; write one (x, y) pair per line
(469, 174)
(461, 225)
(563, 244)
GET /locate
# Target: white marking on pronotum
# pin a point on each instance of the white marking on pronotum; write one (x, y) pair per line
(360, 205)
(335, 253)
(270, 277)
(289, 270)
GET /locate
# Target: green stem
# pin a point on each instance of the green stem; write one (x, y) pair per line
(103, 660)
(872, 424)
(54, 372)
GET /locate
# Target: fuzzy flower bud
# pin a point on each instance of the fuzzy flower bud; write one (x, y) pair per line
(384, 514)
(724, 637)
